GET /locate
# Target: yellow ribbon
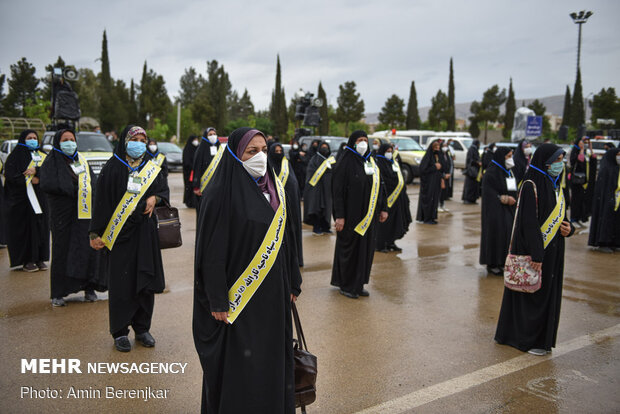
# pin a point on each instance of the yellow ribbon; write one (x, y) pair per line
(284, 171)
(363, 225)
(159, 160)
(585, 185)
(208, 174)
(128, 204)
(34, 164)
(85, 206)
(321, 170)
(617, 193)
(255, 273)
(399, 187)
(551, 226)
(479, 177)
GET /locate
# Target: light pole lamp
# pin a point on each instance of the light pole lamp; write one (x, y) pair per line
(579, 19)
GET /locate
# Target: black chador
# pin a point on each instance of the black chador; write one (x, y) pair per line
(498, 185)
(75, 266)
(299, 163)
(189, 198)
(318, 193)
(471, 188)
(581, 194)
(430, 184)
(248, 365)
(28, 234)
(448, 162)
(204, 154)
(292, 195)
(605, 224)
(351, 188)
(399, 214)
(530, 320)
(135, 272)
(522, 161)
(150, 155)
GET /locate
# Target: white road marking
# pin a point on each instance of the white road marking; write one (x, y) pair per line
(473, 379)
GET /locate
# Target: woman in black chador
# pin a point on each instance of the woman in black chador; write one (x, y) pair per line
(487, 157)
(473, 165)
(318, 190)
(299, 163)
(152, 153)
(189, 198)
(28, 232)
(136, 272)
(605, 224)
(448, 170)
(209, 145)
(582, 180)
(431, 175)
(359, 205)
(529, 321)
(247, 363)
(282, 168)
(522, 157)
(399, 215)
(69, 188)
(499, 196)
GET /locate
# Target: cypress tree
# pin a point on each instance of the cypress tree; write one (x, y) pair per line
(578, 116)
(509, 115)
(132, 111)
(323, 112)
(279, 116)
(567, 111)
(451, 113)
(143, 104)
(107, 104)
(413, 116)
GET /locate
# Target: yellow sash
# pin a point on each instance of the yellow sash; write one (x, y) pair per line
(551, 226)
(85, 206)
(399, 187)
(585, 185)
(284, 171)
(321, 170)
(363, 225)
(255, 273)
(617, 193)
(479, 177)
(208, 174)
(34, 164)
(159, 160)
(128, 204)
(395, 154)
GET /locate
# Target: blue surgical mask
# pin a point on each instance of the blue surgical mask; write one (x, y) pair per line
(556, 168)
(32, 144)
(135, 149)
(68, 147)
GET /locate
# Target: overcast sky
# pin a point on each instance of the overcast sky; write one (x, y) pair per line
(381, 45)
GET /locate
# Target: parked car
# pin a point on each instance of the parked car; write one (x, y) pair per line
(423, 137)
(411, 154)
(174, 155)
(93, 146)
(459, 147)
(598, 146)
(6, 148)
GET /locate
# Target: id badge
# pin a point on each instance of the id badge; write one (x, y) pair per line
(368, 168)
(35, 157)
(511, 184)
(213, 149)
(134, 185)
(394, 167)
(329, 166)
(77, 168)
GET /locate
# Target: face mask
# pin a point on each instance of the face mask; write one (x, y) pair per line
(295, 146)
(375, 147)
(444, 149)
(324, 152)
(195, 143)
(68, 147)
(388, 155)
(361, 147)
(509, 163)
(212, 139)
(135, 149)
(303, 148)
(153, 149)
(493, 150)
(32, 144)
(257, 165)
(527, 150)
(555, 169)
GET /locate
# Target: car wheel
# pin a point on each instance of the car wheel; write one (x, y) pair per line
(407, 175)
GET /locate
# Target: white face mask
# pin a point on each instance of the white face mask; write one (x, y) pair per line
(361, 147)
(153, 149)
(195, 143)
(444, 149)
(527, 150)
(257, 165)
(375, 147)
(295, 146)
(212, 138)
(388, 155)
(509, 163)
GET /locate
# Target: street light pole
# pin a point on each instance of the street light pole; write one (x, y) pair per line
(580, 19)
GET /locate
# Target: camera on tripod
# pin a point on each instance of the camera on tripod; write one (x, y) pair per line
(65, 111)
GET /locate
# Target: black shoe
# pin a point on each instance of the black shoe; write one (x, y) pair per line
(30, 267)
(146, 339)
(90, 296)
(495, 270)
(364, 293)
(430, 222)
(42, 266)
(393, 247)
(384, 250)
(57, 302)
(349, 294)
(122, 344)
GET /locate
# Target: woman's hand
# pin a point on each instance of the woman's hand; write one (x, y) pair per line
(438, 166)
(220, 316)
(198, 192)
(339, 224)
(35, 180)
(293, 298)
(150, 205)
(510, 200)
(383, 216)
(565, 228)
(97, 243)
(537, 266)
(30, 171)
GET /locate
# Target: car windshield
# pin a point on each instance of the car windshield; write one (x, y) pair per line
(91, 142)
(466, 141)
(168, 147)
(407, 144)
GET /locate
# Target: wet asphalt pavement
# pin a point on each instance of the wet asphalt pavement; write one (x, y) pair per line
(422, 342)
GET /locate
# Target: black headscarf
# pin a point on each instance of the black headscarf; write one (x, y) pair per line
(544, 183)
(499, 156)
(475, 143)
(312, 151)
(274, 158)
(383, 149)
(25, 133)
(120, 147)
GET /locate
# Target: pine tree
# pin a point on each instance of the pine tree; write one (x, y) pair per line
(323, 111)
(107, 104)
(191, 82)
(143, 97)
(566, 113)
(509, 115)
(279, 116)
(350, 106)
(488, 109)
(451, 112)
(392, 113)
(23, 87)
(153, 100)
(439, 110)
(87, 88)
(132, 110)
(578, 115)
(218, 89)
(413, 116)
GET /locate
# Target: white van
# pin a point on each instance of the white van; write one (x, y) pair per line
(420, 136)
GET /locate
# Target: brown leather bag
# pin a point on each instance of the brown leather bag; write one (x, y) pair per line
(305, 367)
(168, 226)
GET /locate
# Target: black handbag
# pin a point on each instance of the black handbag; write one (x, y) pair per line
(305, 367)
(578, 178)
(168, 226)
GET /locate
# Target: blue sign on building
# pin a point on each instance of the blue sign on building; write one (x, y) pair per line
(534, 126)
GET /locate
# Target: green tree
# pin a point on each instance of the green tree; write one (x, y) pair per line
(474, 127)
(488, 109)
(606, 105)
(451, 112)
(509, 115)
(2, 96)
(87, 87)
(153, 100)
(413, 116)
(392, 113)
(218, 89)
(539, 109)
(191, 83)
(350, 106)
(578, 114)
(23, 86)
(202, 111)
(39, 109)
(323, 111)
(188, 126)
(108, 106)
(159, 131)
(567, 110)
(439, 111)
(240, 108)
(278, 112)
(132, 107)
